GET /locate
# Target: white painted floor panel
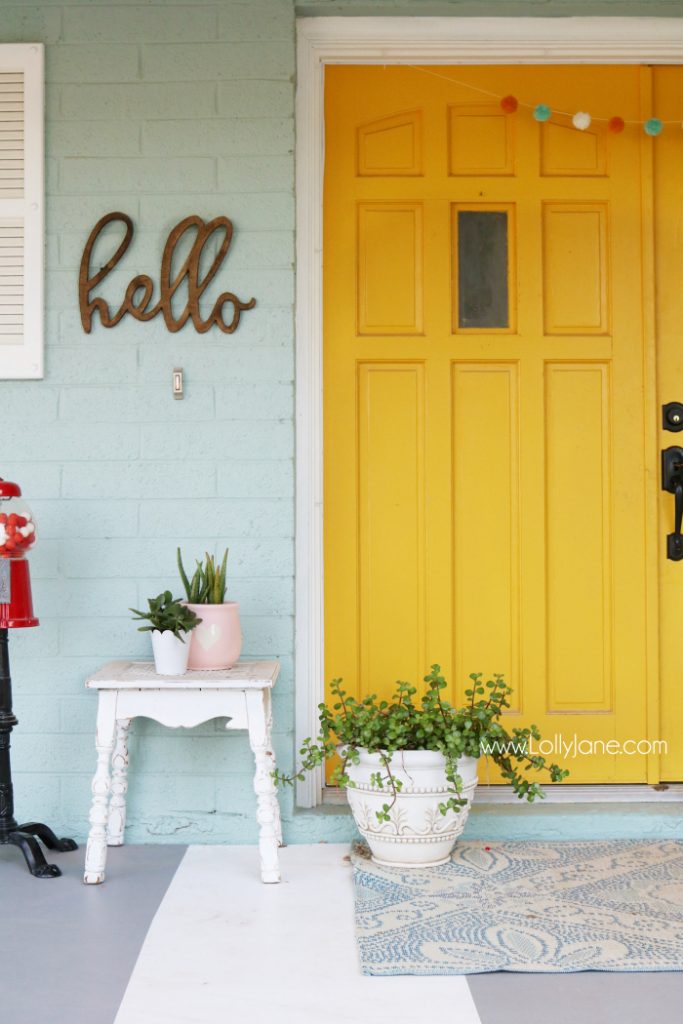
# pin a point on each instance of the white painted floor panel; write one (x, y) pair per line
(224, 947)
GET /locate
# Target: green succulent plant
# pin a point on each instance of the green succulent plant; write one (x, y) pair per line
(167, 612)
(209, 581)
(404, 723)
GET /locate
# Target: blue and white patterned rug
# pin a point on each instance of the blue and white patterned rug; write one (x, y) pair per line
(613, 905)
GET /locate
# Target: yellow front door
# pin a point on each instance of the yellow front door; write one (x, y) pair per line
(485, 392)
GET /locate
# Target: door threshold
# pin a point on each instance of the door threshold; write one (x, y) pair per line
(615, 793)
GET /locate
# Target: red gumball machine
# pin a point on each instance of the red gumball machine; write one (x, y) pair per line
(17, 537)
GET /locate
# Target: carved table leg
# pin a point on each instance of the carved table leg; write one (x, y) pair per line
(268, 705)
(267, 812)
(96, 850)
(119, 785)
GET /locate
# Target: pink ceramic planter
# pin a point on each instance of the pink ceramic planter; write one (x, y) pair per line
(217, 641)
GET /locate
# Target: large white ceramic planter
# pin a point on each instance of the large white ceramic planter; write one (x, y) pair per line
(418, 834)
(217, 640)
(170, 653)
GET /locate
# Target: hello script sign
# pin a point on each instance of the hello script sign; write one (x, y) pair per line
(138, 297)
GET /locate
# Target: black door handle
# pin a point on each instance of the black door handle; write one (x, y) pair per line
(672, 481)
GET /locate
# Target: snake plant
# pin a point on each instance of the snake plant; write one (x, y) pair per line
(209, 581)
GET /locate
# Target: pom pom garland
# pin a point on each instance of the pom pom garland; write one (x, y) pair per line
(542, 112)
(581, 120)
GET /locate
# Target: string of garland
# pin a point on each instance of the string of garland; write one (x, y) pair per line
(542, 112)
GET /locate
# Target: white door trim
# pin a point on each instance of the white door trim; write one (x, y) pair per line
(401, 40)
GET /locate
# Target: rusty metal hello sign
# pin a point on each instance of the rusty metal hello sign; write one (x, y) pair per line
(137, 300)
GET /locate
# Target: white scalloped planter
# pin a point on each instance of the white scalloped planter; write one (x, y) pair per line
(170, 652)
(418, 834)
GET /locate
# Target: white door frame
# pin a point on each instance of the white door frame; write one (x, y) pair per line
(406, 40)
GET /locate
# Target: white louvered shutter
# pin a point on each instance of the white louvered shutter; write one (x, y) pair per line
(21, 210)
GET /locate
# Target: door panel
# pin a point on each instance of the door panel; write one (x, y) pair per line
(486, 541)
(391, 534)
(390, 303)
(566, 152)
(390, 146)
(480, 141)
(484, 391)
(578, 539)
(576, 273)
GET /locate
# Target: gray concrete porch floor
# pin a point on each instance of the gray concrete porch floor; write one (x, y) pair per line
(67, 950)
(196, 939)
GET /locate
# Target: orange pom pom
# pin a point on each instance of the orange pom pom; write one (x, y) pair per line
(509, 104)
(616, 124)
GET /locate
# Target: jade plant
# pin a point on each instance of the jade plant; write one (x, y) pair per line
(167, 613)
(209, 581)
(428, 722)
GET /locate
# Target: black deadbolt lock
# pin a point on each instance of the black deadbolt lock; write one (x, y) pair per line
(672, 416)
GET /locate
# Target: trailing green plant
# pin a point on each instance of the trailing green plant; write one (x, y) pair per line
(209, 581)
(406, 722)
(167, 612)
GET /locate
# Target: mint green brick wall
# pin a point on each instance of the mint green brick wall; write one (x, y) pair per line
(162, 109)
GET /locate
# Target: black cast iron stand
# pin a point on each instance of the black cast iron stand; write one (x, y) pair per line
(24, 836)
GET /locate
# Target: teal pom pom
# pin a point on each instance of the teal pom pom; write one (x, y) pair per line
(653, 126)
(542, 112)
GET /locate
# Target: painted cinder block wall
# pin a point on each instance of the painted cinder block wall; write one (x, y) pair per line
(163, 109)
(159, 110)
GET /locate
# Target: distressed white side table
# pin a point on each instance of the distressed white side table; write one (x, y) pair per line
(131, 689)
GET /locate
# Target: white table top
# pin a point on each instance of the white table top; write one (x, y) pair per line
(140, 675)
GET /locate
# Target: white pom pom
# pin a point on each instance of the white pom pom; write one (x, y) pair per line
(581, 120)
